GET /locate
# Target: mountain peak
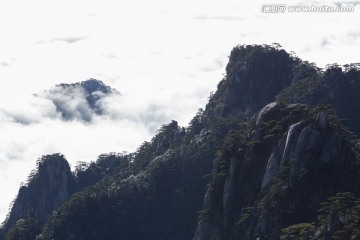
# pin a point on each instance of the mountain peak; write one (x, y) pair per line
(90, 86)
(255, 74)
(47, 188)
(81, 100)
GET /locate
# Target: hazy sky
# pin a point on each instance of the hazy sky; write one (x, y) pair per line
(165, 57)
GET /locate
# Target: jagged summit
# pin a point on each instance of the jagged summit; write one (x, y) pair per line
(90, 86)
(46, 189)
(254, 75)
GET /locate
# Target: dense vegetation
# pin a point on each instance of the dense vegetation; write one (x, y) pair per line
(25, 229)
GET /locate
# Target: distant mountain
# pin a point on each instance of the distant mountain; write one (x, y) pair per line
(81, 100)
(270, 157)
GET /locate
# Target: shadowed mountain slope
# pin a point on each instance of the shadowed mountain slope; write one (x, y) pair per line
(257, 163)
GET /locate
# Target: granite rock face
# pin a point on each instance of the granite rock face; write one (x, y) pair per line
(46, 190)
(254, 76)
(304, 145)
(262, 181)
(233, 197)
(253, 82)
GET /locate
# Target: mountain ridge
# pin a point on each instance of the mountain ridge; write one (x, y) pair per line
(260, 156)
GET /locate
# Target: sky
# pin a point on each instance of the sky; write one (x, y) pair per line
(164, 57)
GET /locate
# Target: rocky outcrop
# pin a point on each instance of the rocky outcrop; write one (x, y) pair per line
(304, 145)
(274, 163)
(255, 74)
(265, 114)
(218, 202)
(254, 79)
(46, 190)
(237, 207)
(52, 183)
(297, 156)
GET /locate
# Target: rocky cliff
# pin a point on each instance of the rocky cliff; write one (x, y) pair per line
(295, 155)
(47, 189)
(278, 174)
(52, 183)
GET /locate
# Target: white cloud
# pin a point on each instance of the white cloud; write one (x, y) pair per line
(70, 103)
(70, 40)
(223, 18)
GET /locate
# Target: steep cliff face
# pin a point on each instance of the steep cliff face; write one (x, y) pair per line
(278, 175)
(277, 172)
(47, 189)
(52, 183)
(311, 162)
(254, 76)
